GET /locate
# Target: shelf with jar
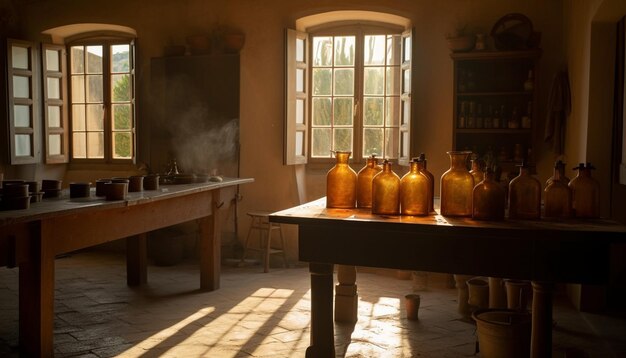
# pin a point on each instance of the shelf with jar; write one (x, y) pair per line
(493, 98)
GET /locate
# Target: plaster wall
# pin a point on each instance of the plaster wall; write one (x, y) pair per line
(161, 22)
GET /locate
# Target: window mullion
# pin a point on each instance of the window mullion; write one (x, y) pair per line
(107, 100)
(359, 70)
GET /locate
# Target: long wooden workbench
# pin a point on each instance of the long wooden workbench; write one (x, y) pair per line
(32, 238)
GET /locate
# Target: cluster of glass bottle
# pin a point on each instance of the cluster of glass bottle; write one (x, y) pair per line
(464, 193)
(471, 115)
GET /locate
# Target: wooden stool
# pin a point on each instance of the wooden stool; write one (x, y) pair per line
(260, 222)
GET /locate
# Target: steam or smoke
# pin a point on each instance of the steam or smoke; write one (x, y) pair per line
(203, 142)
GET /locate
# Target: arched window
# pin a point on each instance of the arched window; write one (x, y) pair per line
(100, 101)
(348, 89)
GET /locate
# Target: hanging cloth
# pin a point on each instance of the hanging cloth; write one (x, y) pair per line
(559, 108)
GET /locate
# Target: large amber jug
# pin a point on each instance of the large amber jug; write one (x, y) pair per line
(456, 186)
(585, 193)
(414, 190)
(386, 191)
(431, 192)
(488, 198)
(364, 182)
(557, 199)
(478, 170)
(341, 183)
(524, 195)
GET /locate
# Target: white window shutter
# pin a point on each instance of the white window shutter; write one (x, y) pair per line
(404, 156)
(295, 148)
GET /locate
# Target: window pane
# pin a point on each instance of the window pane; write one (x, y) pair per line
(300, 50)
(322, 81)
(392, 81)
(95, 145)
(391, 143)
(78, 117)
(344, 50)
(54, 88)
(299, 143)
(22, 145)
(95, 117)
(52, 60)
(393, 49)
(121, 116)
(342, 111)
(122, 145)
(121, 88)
(54, 116)
(21, 87)
(406, 112)
(407, 49)
(20, 57)
(54, 144)
(344, 82)
(94, 59)
(372, 141)
(299, 80)
(392, 111)
(120, 58)
(321, 111)
(374, 78)
(322, 51)
(78, 60)
(320, 146)
(373, 111)
(78, 89)
(343, 139)
(404, 145)
(300, 111)
(374, 51)
(406, 88)
(94, 89)
(21, 116)
(79, 145)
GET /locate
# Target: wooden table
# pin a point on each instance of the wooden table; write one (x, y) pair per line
(546, 252)
(32, 238)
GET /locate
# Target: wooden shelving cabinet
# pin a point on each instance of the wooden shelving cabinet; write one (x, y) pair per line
(495, 104)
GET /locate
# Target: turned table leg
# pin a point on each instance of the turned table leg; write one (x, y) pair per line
(322, 326)
(346, 297)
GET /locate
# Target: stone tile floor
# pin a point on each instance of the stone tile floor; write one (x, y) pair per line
(260, 315)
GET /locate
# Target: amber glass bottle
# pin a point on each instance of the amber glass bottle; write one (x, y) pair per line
(557, 200)
(386, 191)
(341, 183)
(488, 199)
(431, 193)
(364, 182)
(585, 193)
(478, 171)
(524, 195)
(456, 186)
(561, 168)
(414, 190)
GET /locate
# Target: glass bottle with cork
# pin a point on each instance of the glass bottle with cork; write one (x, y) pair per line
(488, 198)
(557, 196)
(414, 190)
(456, 186)
(364, 182)
(341, 183)
(386, 191)
(524, 195)
(431, 191)
(585, 193)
